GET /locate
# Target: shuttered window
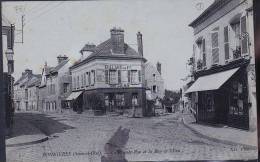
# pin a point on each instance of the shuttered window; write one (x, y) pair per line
(215, 48)
(106, 77)
(203, 53)
(243, 34)
(119, 76)
(129, 76)
(139, 76)
(226, 43)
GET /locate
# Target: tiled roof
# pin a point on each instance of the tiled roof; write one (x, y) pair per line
(105, 50)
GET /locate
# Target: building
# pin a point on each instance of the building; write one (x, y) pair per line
(154, 80)
(55, 85)
(21, 94)
(33, 93)
(224, 90)
(114, 71)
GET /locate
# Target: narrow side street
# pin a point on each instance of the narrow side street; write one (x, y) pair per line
(77, 137)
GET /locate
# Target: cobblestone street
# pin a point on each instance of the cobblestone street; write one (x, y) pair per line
(84, 137)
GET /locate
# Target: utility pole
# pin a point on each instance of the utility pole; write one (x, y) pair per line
(2, 102)
(22, 29)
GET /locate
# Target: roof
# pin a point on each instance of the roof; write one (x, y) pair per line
(104, 50)
(35, 81)
(52, 70)
(210, 10)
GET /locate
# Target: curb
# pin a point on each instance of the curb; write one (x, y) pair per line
(28, 143)
(216, 139)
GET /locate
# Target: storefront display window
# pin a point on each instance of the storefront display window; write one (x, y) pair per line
(236, 99)
(120, 99)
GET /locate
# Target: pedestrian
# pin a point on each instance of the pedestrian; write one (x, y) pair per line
(134, 104)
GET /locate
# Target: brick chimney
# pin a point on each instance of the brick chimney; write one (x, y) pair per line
(61, 58)
(117, 38)
(159, 67)
(140, 43)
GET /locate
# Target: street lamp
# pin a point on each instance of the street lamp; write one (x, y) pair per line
(10, 60)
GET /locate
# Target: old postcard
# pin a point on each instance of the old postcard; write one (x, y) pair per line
(105, 81)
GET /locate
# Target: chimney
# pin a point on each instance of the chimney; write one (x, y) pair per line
(140, 43)
(61, 58)
(27, 71)
(117, 38)
(159, 67)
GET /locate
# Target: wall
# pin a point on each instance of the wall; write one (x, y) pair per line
(101, 65)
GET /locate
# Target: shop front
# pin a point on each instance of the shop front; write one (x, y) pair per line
(120, 100)
(222, 98)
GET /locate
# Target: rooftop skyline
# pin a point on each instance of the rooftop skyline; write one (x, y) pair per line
(63, 28)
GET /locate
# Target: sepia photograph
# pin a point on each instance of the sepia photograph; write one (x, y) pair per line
(128, 81)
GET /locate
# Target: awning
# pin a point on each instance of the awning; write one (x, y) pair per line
(73, 95)
(212, 81)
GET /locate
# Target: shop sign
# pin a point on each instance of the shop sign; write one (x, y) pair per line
(117, 67)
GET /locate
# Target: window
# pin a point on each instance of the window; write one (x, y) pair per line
(236, 46)
(154, 78)
(113, 77)
(106, 77)
(154, 88)
(89, 78)
(100, 75)
(134, 77)
(120, 99)
(226, 43)
(203, 53)
(65, 87)
(82, 81)
(215, 47)
(77, 82)
(92, 77)
(119, 76)
(74, 83)
(124, 76)
(85, 83)
(236, 99)
(244, 37)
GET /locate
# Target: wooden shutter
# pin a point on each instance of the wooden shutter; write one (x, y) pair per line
(129, 76)
(139, 76)
(215, 48)
(106, 77)
(119, 76)
(203, 52)
(243, 34)
(226, 43)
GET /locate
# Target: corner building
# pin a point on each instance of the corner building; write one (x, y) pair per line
(112, 69)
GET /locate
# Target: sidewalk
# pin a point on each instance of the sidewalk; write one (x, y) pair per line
(225, 134)
(24, 133)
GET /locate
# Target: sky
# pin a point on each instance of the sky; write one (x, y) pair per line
(63, 28)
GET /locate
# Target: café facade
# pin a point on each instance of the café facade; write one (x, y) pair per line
(114, 71)
(223, 62)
